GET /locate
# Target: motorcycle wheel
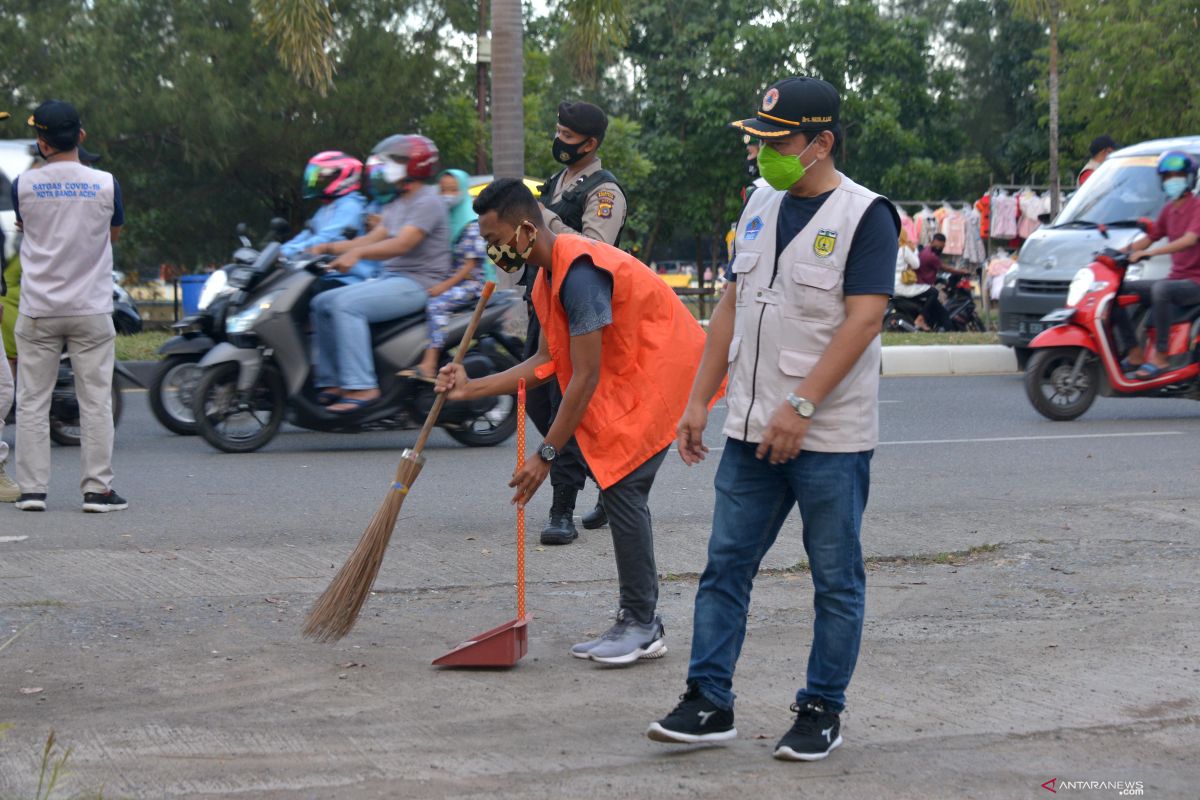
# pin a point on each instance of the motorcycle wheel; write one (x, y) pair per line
(496, 423)
(1050, 389)
(233, 421)
(66, 432)
(171, 392)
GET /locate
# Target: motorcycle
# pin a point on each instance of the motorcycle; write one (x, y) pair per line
(901, 315)
(64, 405)
(959, 299)
(262, 372)
(174, 379)
(1077, 359)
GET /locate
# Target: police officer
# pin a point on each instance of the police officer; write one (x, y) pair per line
(799, 336)
(582, 198)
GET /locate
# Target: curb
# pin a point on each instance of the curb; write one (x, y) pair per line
(959, 359)
(898, 360)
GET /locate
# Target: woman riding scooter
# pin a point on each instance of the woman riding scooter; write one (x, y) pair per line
(1179, 222)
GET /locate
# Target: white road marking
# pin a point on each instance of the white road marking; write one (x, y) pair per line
(1019, 438)
(1038, 438)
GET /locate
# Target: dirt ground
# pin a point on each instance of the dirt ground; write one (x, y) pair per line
(982, 675)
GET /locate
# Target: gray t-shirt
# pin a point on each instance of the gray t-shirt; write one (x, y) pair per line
(429, 262)
(586, 296)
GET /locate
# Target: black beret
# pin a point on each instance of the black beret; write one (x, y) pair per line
(583, 118)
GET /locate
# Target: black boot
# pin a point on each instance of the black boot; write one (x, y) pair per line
(561, 529)
(597, 517)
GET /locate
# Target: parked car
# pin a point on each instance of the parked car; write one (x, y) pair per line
(1102, 214)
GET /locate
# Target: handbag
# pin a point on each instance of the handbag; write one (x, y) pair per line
(908, 276)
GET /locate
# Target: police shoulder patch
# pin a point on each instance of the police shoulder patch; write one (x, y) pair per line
(753, 229)
(604, 210)
(825, 242)
(606, 196)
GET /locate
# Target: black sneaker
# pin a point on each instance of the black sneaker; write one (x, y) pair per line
(694, 720)
(97, 503)
(32, 502)
(814, 734)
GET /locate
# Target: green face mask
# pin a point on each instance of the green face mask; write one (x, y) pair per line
(781, 171)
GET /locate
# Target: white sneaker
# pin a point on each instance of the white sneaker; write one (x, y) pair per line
(9, 491)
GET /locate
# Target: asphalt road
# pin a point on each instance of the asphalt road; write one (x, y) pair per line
(964, 448)
(162, 643)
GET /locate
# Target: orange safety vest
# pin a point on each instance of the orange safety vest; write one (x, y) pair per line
(649, 357)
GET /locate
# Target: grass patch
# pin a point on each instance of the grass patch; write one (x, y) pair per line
(989, 337)
(141, 346)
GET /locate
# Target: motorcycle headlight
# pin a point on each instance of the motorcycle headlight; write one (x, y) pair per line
(215, 284)
(1080, 285)
(244, 320)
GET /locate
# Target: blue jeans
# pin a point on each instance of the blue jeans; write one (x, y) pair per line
(343, 355)
(754, 499)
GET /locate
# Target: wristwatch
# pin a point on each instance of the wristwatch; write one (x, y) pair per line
(805, 408)
(547, 452)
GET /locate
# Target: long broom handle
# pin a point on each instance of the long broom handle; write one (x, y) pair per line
(520, 508)
(468, 335)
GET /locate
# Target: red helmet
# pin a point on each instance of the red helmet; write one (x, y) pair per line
(331, 174)
(408, 156)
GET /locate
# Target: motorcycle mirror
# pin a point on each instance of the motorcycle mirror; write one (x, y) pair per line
(1103, 230)
(241, 229)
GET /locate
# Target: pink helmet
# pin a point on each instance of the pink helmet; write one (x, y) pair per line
(331, 174)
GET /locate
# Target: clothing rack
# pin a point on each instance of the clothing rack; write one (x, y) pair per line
(990, 250)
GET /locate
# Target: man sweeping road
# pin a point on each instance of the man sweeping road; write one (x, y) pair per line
(624, 350)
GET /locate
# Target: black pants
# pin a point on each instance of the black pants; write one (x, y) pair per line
(541, 403)
(935, 314)
(627, 503)
(1162, 296)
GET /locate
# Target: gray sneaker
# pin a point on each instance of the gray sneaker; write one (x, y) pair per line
(628, 640)
(9, 492)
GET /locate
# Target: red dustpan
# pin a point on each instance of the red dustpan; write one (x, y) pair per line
(505, 645)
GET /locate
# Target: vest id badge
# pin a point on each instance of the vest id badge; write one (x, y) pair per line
(825, 242)
(753, 229)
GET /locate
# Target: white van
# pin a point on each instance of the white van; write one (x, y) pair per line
(16, 156)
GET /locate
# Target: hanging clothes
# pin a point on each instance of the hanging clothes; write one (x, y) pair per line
(954, 228)
(910, 227)
(929, 225)
(984, 206)
(974, 251)
(997, 268)
(1004, 216)
(1030, 206)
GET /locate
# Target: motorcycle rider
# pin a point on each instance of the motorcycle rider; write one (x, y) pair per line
(582, 198)
(413, 241)
(1179, 222)
(929, 264)
(335, 179)
(461, 290)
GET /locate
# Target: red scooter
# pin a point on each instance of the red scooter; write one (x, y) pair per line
(1078, 359)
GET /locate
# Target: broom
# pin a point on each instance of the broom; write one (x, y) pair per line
(336, 610)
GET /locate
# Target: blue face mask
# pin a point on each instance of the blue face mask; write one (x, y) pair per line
(1175, 187)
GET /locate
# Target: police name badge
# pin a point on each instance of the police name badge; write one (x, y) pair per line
(825, 242)
(753, 229)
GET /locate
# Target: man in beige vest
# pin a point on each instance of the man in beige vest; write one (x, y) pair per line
(71, 214)
(798, 334)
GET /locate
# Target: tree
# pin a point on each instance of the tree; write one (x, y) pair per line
(1047, 11)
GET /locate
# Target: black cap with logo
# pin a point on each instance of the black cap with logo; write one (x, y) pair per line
(58, 123)
(793, 105)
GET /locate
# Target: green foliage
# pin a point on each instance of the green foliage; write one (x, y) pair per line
(1129, 70)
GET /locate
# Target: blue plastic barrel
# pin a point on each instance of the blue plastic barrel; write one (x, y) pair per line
(190, 287)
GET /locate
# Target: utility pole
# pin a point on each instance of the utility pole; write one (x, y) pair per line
(483, 57)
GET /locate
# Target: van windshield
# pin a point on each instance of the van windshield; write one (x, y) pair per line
(1121, 190)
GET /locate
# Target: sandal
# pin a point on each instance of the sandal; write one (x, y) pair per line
(1128, 366)
(328, 398)
(416, 375)
(1148, 372)
(351, 404)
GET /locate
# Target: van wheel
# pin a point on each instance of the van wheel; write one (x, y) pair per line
(1050, 387)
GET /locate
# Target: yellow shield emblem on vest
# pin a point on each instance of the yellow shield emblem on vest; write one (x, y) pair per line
(825, 242)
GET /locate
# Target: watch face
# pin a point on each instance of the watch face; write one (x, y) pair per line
(548, 452)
